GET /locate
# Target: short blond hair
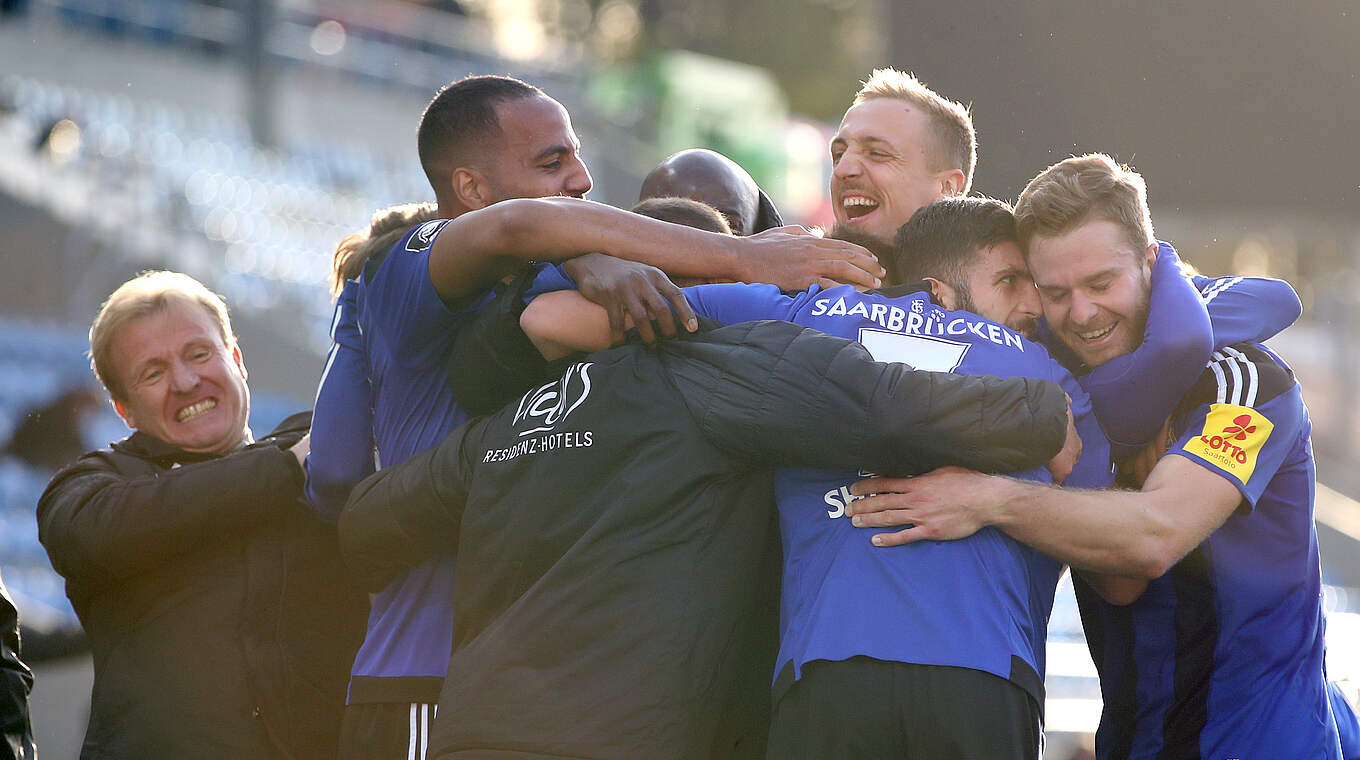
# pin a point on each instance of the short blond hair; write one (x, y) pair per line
(144, 295)
(956, 140)
(1093, 187)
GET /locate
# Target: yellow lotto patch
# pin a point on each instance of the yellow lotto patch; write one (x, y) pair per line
(1233, 436)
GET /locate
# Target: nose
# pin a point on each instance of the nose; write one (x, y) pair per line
(848, 166)
(1030, 305)
(183, 378)
(1083, 309)
(578, 180)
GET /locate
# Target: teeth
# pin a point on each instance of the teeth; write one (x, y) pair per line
(858, 201)
(1097, 335)
(195, 410)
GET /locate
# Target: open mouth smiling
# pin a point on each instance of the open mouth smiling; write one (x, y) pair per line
(195, 410)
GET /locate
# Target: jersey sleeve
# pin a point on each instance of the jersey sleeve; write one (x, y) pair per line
(1248, 309)
(733, 302)
(1134, 393)
(1250, 416)
(341, 451)
(550, 278)
(400, 298)
(1094, 468)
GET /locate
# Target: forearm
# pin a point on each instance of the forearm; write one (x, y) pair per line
(105, 527)
(401, 515)
(342, 441)
(1111, 532)
(981, 422)
(481, 246)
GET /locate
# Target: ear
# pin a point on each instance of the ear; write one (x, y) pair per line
(942, 292)
(1150, 256)
(240, 361)
(125, 413)
(471, 188)
(952, 183)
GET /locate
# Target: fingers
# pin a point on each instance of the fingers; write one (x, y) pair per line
(617, 321)
(907, 536)
(684, 313)
(870, 486)
(887, 518)
(848, 273)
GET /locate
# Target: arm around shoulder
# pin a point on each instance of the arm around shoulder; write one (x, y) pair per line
(102, 525)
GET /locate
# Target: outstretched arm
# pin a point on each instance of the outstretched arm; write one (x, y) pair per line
(482, 246)
(1132, 533)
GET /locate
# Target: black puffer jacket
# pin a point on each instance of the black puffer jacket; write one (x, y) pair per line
(616, 594)
(222, 621)
(16, 680)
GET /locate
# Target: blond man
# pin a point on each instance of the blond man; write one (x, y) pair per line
(900, 146)
(221, 619)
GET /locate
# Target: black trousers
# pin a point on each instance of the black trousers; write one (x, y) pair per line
(386, 731)
(866, 709)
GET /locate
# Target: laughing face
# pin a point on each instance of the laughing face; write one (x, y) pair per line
(1094, 285)
(883, 167)
(184, 386)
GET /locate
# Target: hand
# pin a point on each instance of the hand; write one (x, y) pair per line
(1061, 465)
(794, 259)
(302, 448)
(632, 291)
(944, 505)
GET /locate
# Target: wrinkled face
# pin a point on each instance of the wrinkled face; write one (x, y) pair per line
(183, 385)
(882, 167)
(999, 287)
(1094, 286)
(537, 154)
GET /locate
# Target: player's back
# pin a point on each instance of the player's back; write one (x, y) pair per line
(982, 602)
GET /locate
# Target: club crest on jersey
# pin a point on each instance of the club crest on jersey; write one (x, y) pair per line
(1232, 438)
(542, 408)
(424, 235)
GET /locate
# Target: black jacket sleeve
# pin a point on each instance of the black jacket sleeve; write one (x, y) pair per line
(492, 361)
(16, 680)
(401, 515)
(101, 525)
(805, 398)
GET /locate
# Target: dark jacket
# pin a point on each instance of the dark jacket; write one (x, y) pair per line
(220, 616)
(16, 680)
(614, 586)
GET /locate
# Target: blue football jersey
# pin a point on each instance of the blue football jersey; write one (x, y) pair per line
(982, 602)
(1222, 657)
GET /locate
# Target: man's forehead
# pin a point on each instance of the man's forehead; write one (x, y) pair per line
(534, 126)
(888, 120)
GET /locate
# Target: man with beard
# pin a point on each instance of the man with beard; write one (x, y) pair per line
(1222, 655)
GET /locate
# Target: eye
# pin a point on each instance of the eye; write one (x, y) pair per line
(836, 156)
(879, 155)
(1100, 287)
(553, 165)
(150, 376)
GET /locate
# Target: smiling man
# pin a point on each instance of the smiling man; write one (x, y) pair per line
(900, 146)
(218, 610)
(1222, 655)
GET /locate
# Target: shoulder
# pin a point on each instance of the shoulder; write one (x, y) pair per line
(1243, 374)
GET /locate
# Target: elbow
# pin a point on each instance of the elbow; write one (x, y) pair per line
(1150, 559)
